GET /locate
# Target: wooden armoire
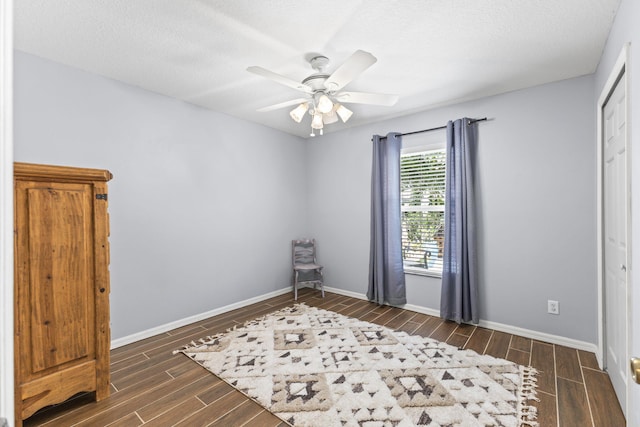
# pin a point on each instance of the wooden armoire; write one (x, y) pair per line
(62, 335)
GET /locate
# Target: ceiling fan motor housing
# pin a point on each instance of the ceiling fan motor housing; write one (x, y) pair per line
(316, 82)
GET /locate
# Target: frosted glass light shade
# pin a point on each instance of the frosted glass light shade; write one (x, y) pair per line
(343, 112)
(330, 117)
(324, 104)
(316, 123)
(298, 113)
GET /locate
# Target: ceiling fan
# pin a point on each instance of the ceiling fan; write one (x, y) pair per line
(324, 94)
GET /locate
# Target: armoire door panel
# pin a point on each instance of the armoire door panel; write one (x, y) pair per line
(61, 276)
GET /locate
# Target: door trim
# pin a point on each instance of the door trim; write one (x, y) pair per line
(6, 212)
(619, 68)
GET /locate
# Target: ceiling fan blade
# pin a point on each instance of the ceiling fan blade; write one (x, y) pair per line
(367, 98)
(282, 105)
(352, 68)
(280, 79)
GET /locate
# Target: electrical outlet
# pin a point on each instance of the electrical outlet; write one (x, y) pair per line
(553, 307)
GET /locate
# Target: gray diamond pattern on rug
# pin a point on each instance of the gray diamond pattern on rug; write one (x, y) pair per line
(313, 367)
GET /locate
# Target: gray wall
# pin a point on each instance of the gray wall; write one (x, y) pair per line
(536, 198)
(203, 206)
(625, 29)
(195, 192)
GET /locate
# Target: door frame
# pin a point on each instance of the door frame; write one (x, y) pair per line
(6, 212)
(620, 67)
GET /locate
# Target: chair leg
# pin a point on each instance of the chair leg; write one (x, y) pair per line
(295, 286)
(322, 283)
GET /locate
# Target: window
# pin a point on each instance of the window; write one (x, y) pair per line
(422, 186)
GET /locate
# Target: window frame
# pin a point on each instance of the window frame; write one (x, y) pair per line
(435, 143)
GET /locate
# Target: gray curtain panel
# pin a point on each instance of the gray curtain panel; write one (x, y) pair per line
(459, 296)
(386, 273)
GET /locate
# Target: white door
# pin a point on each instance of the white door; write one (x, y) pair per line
(615, 234)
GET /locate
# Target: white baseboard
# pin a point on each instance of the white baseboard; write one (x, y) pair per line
(346, 293)
(119, 342)
(540, 336)
(527, 333)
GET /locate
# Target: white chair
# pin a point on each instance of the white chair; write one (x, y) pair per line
(305, 266)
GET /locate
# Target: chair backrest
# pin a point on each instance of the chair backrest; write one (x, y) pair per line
(303, 251)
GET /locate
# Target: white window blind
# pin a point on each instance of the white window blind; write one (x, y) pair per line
(422, 186)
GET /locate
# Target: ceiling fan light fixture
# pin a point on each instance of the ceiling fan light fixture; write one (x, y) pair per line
(298, 113)
(324, 104)
(316, 122)
(330, 117)
(343, 112)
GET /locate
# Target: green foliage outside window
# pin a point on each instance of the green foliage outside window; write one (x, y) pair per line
(422, 193)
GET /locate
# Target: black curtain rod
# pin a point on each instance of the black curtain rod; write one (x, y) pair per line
(438, 128)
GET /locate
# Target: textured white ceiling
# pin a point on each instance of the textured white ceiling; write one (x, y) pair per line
(430, 52)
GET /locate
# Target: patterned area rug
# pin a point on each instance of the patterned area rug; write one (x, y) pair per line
(313, 367)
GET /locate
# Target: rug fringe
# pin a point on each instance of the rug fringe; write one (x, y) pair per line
(528, 414)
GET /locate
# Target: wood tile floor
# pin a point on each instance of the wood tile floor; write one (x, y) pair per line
(153, 387)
